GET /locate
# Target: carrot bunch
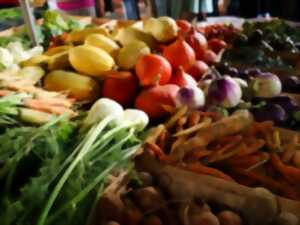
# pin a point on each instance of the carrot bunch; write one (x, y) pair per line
(235, 148)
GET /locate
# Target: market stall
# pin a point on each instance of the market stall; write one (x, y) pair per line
(158, 121)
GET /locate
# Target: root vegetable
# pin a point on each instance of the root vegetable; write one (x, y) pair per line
(224, 127)
(205, 218)
(132, 215)
(145, 178)
(153, 69)
(296, 159)
(186, 186)
(148, 198)
(155, 100)
(112, 223)
(122, 91)
(152, 220)
(229, 218)
(286, 218)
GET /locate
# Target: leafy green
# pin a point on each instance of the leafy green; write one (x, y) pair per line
(30, 156)
(10, 13)
(54, 175)
(55, 24)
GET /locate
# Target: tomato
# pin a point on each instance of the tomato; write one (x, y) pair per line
(122, 90)
(216, 45)
(184, 26)
(153, 69)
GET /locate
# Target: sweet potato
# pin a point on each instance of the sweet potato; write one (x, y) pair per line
(229, 218)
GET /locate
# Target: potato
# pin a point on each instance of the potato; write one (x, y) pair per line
(204, 218)
(90, 60)
(148, 198)
(286, 218)
(112, 223)
(229, 218)
(152, 220)
(132, 215)
(145, 178)
(82, 88)
(129, 54)
(296, 159)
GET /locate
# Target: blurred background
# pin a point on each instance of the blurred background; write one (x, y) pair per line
(199, 10)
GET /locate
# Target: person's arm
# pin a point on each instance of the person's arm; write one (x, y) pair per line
(223, 6)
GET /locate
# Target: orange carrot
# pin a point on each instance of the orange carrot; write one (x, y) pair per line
(290, 149)
(248, 161)
(156, 150)
(255, 145)
(194, 118)
(199, 154)
(292, 174)
(232, 148)
(161, 140)
(199, 168)
(270, 183)
(44, 107)
(5, 93)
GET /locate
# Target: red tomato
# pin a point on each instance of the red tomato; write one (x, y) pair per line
(153, 69)
(122, 90)
(198, 69)
(184, 26)
(209, 57)
(216, 45)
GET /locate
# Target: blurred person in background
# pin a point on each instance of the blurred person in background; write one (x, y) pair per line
(195, 9)
(74, 7)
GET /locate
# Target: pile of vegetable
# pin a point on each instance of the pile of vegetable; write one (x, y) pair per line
(233, 148)
(270, 45)
(55, 173)
(66, 135)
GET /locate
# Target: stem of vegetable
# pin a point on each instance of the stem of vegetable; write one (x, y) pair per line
(85, 148)
(128, 153)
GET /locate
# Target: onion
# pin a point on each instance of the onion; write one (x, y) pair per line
(179, 54)
(193, 97)
(225, 92)
(197, 41)
(183, 79)
(266, 85)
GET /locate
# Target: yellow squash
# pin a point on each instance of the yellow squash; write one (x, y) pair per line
(103, 42)
(90, 60)
(80, 87)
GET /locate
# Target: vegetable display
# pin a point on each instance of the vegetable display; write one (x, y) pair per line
(222, 147)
